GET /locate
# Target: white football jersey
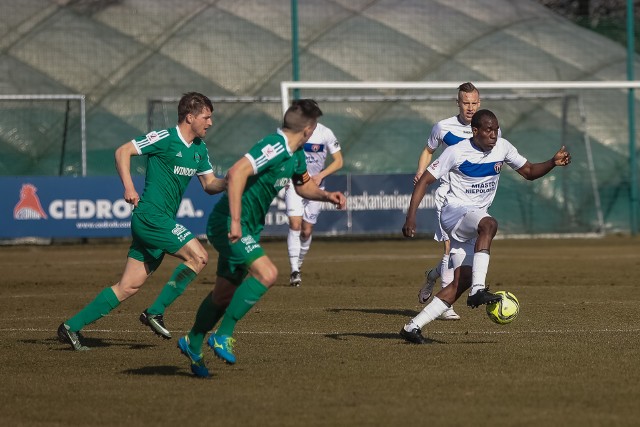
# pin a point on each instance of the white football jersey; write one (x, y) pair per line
(315, 149)
(473, 173)
(448, 132)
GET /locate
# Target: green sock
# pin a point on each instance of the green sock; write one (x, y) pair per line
(247, 295)
(176, 285)
(102, 305)
(206, 318)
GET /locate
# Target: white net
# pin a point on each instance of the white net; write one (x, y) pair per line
(43, 134)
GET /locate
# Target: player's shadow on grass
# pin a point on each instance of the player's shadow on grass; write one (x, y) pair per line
(164, 370)
(93, 343)
(375, 335)
(385, 311)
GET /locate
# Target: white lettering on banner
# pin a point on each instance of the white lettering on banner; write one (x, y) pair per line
(268, 220)
(382, 202)
(87, 209)
(187, 210)
(281, 218)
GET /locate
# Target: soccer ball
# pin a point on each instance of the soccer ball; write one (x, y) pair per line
(505, 310)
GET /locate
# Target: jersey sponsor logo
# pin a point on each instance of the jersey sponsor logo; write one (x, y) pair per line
(29, 207)
(281, 183)
(249, 243)
(179, 154)
(181, 232)
(481, 188)
(183, 171)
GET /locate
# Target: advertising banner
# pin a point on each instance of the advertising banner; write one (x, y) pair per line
(376, 205)
(65, 207)
(87, 207)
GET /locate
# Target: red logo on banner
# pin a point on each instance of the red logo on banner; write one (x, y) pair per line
(29, 205)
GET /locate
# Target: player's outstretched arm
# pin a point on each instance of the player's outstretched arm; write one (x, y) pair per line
(336, 164)
(420, 189)
(123, 166)
(533, 171)
(212, 184)
(310, 190)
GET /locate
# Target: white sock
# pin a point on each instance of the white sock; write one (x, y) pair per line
(293, 246)
(479, 273)
(446, 272)
(428, 314)
(304, 248)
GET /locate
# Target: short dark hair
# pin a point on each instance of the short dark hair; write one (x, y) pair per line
(480, 115)
(192, 103)
(467, 87)
(301, 114)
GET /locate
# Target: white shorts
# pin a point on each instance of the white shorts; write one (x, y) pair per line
(461, 223)
(439, 196)
(309, 210)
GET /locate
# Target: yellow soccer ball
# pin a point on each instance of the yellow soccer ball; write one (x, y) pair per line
(505, 310)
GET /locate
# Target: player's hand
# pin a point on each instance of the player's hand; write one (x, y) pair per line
(409, 228)
(562, 157)
(317, 179)
(235, 232)
(417, 178)
(338, 199)
(132, 197)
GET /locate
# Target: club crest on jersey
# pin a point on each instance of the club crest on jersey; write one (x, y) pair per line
(197, 157)
(153, 137)
(497, 167)
(315, 147)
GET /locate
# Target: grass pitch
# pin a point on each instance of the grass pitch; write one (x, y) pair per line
(328, 353)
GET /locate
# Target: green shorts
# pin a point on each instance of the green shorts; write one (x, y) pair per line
(155, 235)
(234, 259)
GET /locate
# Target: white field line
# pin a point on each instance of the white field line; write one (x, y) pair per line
(311, 333)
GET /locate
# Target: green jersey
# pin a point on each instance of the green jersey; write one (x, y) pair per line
(273, 166)
(171, 162)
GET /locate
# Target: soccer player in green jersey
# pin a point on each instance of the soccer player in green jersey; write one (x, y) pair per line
(245, 272)
(173, 156)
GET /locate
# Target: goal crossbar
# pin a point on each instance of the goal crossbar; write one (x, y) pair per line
(286, 86)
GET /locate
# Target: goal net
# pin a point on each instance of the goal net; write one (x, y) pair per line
(383, 127)
(43, 134)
